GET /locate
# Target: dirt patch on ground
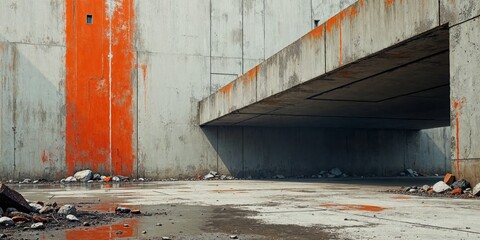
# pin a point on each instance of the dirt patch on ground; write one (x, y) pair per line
(237, 222)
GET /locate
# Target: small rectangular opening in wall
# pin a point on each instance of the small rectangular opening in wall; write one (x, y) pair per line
(89, 19)
(316, 22)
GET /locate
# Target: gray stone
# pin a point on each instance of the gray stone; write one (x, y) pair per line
(6, 221)
(27, 180)
(70, 179)
(441, 187)
(413, 190)
(122, 210)
(166, 238)
(337, 172)
(462, 184)
(209, 176)
(67, 210)
(141, 179)
(96, 177)
(84, 175)
(233, 237)
(37, 226)
(425, 188)
(72, 218)
(116, 179)
(476, 190)
(279, 176)
(35, 207)
(90, 181)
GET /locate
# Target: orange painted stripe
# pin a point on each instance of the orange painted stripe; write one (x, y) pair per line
(99, 128)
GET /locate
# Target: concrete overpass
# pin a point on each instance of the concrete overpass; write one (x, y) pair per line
(377, 64)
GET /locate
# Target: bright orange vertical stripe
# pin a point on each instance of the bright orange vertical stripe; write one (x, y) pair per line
(89, 73)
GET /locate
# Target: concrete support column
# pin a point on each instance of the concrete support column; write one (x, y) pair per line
(465, 99)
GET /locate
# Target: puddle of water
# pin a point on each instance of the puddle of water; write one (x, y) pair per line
(354, 207)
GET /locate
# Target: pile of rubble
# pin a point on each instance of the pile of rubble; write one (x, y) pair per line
(447, 187)
(212, 175)
(334, 173)
(89, 177)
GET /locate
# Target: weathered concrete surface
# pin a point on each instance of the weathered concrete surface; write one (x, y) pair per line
(465, 86)
(349, 209)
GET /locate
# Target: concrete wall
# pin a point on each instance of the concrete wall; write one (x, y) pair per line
(185, 49)
(32, 72)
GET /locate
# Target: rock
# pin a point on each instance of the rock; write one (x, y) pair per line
(27, 180)
(425, 188)
(411, 173)
(144, 232)
(279, 176)
(141, 179)
(449, 179)
(230, 178)
(96, 177)
(107, 179)
(135, 211)
(209, 176)
(125, 225)
(122, 210)
(223, 177)
(38, 218)
(90, 181)
(456, 191)
(3, 235)
(21, 214)
(86, 224)
(166, 238)
(476, 190)
(10, 198)
(67, 210)
(35, 181)
(462, 184)
(159, 224)
(336, 172)
(116, 179)
(233, 237)
(10, 210)
(441, 187)
(6, 221)
(35, 207)
(17, 219)
(72, 218)
(413, 190)
(84, 175)
(331, 175)
(123, 178)
(70, 179)
(37, 226)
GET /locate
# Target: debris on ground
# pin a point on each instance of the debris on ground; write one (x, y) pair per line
(333, 173)
(446, 188)
(12, 199)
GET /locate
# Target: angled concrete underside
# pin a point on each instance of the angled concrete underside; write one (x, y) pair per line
(374, 65)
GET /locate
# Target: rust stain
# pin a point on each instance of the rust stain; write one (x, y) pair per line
(251, 75)
(45, 157)
(144, 74)
(226, 89)
(354, 207)
(105, 232)
(316, 34)
(457, 105)
(389, 2)
(99, 122)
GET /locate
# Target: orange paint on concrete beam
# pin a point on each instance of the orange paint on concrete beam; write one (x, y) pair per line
(250, 75)
(316, 33)
(99, 95)
(227, 88)
(354, 207)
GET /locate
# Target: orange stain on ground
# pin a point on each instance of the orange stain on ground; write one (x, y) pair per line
(105, 232)
(95, 138)
(354, 207)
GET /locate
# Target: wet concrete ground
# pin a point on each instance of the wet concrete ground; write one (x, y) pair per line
(290, 209)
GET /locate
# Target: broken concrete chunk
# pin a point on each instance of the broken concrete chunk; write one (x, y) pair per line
(6, 221)
(10, 198)
(67, 209)
(411, 172)
(441, 187)
(122, 210)
(425, 188)
(70, 179)
(337, 172)
(116, 179)
(96, 177)
(37, 226)
(84, 175)
(462, 184)
(72, 218)
(16, 214)
(449, 179)
(35, 207)
(476, 190)
(209, 176)
(233, 237)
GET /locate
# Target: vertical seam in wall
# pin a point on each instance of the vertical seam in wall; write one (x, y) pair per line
(439, 13)
(137, 120)
(312, 22)
(325, 46)
(217, 147)
(264, 30)
(210, 74)
(243, 40)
